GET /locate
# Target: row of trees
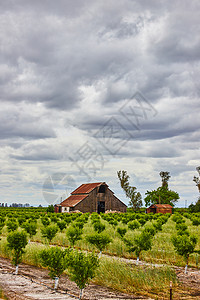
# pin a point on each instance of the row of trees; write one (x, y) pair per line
(162, 195)
(80, 266)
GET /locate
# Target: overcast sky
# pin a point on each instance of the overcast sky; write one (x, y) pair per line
(92, 87)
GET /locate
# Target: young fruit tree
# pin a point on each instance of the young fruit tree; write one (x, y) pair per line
(141, 242)
(99, 240)
(74, 234)
(121, 231)
(31, 228)
(81, 268)
(184, 245)
(17, 241)
(49, 232)
(55, 260)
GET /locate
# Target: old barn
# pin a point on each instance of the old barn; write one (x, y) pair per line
(159, 208)
(91, 197)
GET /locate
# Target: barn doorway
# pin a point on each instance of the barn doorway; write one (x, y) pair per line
(101, 207)
(60, 209)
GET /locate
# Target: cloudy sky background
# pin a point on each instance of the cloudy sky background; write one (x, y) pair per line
(92, 87)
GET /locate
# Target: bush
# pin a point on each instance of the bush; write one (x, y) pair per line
(121, 231)
(17, 241)
(184, 245)
(12, 225)
(55, 260)
(74, 234)
(99, 240)
(49, 232)
(82, 268)
(133, 224)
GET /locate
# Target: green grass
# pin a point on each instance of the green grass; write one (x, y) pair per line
(135, 279)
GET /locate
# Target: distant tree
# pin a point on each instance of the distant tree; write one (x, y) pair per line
(50, 209)
(17, 241)
(197, 179)
(195, 207)
(162, 195)
(165, 178)
(130, 191)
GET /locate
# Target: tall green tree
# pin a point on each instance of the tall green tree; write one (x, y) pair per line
(131, 191)
(165, 178)
(162, 195)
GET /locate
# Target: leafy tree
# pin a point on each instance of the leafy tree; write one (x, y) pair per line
(31, 228)
(141, 242)
(62, 225)
(130, 191)
(133, 224)
(74, 234)
(162, 195)
(99, 227)
(17, 241)
(184, 245)
(49, 232)
(45, 221)
(195, 207)
(197, 179)
(55, 259)
(150, 229)
(50, 209)
(121, 231)
(82, 268)
(99, 240)
(12, 225)
(165, 178)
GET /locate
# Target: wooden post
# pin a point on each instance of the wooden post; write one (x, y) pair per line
(170, 290)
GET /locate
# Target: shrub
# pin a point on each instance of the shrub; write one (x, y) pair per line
(74, 234)
(99, 240)
(133, 224)
(121, 231)
(82, 268)
(184, 245)
(49, 232)
(17, 241)
(142, 242)
(54, 259)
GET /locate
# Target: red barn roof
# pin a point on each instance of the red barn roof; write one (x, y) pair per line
(73, 200)
(162, 205)
(86, 188)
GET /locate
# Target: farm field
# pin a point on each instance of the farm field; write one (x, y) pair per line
(142, 278)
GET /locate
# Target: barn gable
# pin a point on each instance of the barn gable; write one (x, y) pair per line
(91, 197)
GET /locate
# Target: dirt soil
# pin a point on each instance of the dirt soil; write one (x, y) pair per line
(34, 283)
